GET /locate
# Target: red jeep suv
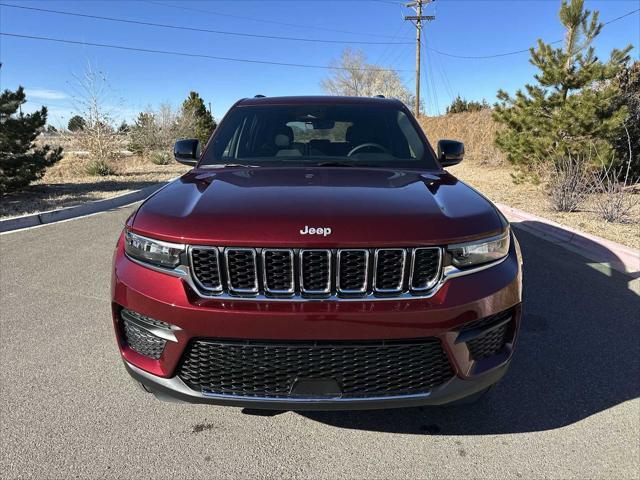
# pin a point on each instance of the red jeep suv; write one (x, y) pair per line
(317, 256)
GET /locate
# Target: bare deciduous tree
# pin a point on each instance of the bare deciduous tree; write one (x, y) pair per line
(92, 95)
(351, 75)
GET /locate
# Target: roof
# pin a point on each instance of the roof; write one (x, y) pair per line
(318, 100)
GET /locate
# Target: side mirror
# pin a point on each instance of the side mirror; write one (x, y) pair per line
(450, 152)
(187, 151)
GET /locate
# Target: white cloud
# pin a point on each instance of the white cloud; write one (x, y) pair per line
(45, 94)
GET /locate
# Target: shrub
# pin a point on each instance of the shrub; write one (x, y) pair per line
(460, 105)
(616, 198)
(99, 168)
(569, 183)
(160, 158)
(21, 162)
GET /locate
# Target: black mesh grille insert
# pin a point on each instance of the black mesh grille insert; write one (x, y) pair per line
(278, 271)
(488, 344)
(367, 369)
(316, 271)
(352, 270)
(142, 341)
(426, 268)
(206, 268)
(241, 266)
(389, 270)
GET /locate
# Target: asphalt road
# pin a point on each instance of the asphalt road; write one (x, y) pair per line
(569, 406)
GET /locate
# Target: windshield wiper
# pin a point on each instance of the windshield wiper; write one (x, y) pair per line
(334, 164)
(228, 165)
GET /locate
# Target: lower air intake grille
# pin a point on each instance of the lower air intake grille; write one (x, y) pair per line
(366, 369)
(143, 342)
(488, 344)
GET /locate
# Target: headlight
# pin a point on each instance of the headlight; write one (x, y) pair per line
(155, 252)
(482, 251)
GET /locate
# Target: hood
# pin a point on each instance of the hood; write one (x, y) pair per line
(361, 207)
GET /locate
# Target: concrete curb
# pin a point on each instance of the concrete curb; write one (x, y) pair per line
(89, 208)
(619, 257)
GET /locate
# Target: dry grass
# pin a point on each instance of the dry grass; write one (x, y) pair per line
(485, 170)
(66, 184)
(476, 129)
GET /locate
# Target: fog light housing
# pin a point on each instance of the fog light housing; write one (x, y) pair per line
(145, 335)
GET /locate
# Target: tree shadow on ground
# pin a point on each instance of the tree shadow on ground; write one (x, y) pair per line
(578, 354)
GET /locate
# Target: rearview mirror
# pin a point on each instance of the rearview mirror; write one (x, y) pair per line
(450, 152)
(187, 151)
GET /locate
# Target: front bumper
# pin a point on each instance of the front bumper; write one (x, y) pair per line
(174, 390)
(459, 302)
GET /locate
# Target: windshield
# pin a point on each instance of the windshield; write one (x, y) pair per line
(331, 135)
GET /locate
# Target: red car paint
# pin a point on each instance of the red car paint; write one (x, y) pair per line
(364, 207)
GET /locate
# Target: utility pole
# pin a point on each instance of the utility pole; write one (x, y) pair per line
(417, 22)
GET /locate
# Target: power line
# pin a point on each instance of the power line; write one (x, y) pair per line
(263, 20)
(188, 54)
(526, 50)
(194, 29)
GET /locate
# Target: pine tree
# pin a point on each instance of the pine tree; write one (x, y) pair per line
(204, 122)
(629, 139)
(571, 109)
(76, 123)
(21, 161)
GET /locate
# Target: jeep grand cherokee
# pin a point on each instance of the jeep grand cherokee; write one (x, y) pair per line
(317, 256)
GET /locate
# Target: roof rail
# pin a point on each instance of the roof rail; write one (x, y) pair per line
(379, 96)
(259, 96)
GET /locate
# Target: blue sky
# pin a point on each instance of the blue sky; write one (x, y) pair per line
(139, 80)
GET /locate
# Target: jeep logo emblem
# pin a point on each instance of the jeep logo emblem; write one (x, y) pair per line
(307, 230)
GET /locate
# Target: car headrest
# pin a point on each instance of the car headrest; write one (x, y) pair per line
(358, 134)
(282, 140)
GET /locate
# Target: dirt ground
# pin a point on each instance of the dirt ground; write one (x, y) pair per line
(65, 184)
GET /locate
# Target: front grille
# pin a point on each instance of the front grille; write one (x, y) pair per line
(141, 341)
(488, 344)
(358, 369)
(315, 273)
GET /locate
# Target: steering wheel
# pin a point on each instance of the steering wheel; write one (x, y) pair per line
(365, 145)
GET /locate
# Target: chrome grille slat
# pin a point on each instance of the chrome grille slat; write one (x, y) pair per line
(315, 271)
(206, 268)
(282, 273)
(278, 273)
(352, 274)
(388, 272)
(425, 268)
(242, 270)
